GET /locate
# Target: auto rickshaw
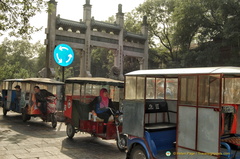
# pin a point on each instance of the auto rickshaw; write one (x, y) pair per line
(79, 92)
(197, 115)
(9, 100)
(27, 104)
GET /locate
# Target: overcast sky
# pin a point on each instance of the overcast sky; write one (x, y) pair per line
(73, 10)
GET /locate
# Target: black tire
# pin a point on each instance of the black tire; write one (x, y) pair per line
(122, 144)
(54, 121)
(70, 131)
(138, 152)
(4, 111)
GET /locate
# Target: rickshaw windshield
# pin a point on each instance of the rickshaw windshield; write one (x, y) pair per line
(5, 85)
(231, 87)
(86, 89)
(138, 87)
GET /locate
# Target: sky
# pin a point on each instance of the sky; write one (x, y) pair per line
(73, 10)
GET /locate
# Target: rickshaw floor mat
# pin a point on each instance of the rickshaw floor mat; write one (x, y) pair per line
(233, 141)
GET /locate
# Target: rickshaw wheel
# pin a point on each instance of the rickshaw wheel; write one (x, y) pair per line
(138, 152)
(122, 143)
(54, 121)
(4, 111)
(70, 131)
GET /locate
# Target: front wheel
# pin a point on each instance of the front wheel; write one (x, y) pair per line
(122, 142)
(70, 131)
(54, 121)
(138, 152)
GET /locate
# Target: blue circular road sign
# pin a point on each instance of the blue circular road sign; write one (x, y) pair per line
(63, 55)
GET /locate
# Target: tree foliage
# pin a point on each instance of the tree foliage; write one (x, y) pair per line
(20, 59)
(102, 61)
(15, 16)
(202, 31)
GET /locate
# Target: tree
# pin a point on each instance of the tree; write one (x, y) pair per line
(102, 62)
(15, 16)
(161, 28)
(20, 59)
(214, 25)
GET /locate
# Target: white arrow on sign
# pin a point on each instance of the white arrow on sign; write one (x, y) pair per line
(69, 58)
(59, 60)
(61, 48)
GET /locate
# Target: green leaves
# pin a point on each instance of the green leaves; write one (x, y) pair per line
(21, 59)
(15, 16)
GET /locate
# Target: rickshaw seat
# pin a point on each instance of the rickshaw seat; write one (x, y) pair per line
(158, 106)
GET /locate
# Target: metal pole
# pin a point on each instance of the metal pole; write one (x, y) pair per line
(63, 89)
(63, 74)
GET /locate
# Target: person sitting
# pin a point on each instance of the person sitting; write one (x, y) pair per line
(99, 107)
(41, 98)
(18, 94)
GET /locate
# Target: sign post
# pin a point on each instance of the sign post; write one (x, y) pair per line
(63, 55)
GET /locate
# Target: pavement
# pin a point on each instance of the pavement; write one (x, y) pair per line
(36, 139)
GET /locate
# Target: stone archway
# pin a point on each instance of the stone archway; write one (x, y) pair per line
(87, 33)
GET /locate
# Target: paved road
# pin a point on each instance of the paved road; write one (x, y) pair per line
(36, 139)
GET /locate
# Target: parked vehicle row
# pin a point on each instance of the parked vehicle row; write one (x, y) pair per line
(29, 96)
(154, 114)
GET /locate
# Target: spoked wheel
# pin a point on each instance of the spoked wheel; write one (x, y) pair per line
(70, 131)
(54, 121)
(138, 152)
(122, 143)
(4, 111)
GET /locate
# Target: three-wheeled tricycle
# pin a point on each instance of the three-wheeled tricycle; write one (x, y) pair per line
(79, 92)
(23, 99)
(12, 98)
(196, 116)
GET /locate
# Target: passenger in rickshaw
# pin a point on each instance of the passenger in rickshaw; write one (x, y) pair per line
(41, 98)
(18, 94)
(99, 106)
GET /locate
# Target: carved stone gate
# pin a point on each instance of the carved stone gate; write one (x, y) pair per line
(85, 34)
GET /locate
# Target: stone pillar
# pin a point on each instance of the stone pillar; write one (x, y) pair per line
(116, 58)
(120, 54)
(145, 33)
(87, 50)
(82, 63)
(141, 62)
(50, 41)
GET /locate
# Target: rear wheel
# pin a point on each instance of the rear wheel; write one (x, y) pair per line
(122, 143)
(138, 152)
(54, 121)
(70, 131)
